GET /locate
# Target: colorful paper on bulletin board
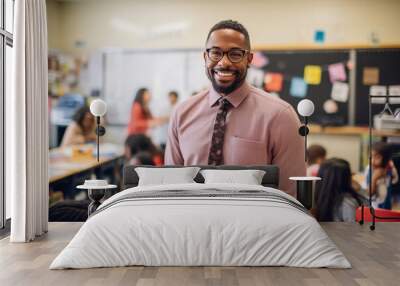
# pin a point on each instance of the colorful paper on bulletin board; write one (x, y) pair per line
(337, 72)
(259, 60)
(273, 81)
(255, 77)
(330, 106)
(298, 87)
(340, 91)
(370, 76)
(312, 74)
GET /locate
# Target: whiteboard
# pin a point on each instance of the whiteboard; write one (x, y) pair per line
(196, 74)
(160, 71)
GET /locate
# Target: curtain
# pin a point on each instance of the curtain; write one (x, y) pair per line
(27, 124)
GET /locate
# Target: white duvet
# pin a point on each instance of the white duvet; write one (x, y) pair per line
(192, 231)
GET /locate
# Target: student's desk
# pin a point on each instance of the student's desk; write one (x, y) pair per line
(66, 171)
(347, 142)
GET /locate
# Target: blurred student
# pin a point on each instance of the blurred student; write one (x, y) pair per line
(143, 158)
(160, 137)
(316, 154)
(384, 175)
(81, 130)
(141, 118)
(335, 198)
(173, 97)
(137, 143)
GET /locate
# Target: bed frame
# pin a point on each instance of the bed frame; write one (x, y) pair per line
(270, 179)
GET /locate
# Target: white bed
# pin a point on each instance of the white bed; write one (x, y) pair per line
(246, 225)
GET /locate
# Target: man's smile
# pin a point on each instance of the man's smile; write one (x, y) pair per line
(224, 76)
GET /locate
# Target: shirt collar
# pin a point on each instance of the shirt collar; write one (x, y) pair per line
(235, 98)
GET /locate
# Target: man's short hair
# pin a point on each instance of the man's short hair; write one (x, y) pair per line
(233, 25)
(315, 152)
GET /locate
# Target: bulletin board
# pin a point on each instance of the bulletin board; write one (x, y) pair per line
(291, 64)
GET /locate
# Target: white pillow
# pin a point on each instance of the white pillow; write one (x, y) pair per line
(248, 177)
(164, 176)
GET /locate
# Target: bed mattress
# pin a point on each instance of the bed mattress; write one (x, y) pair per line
(201, 225)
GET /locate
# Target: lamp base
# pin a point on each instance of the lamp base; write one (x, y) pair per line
(96, 191)
(95, 196)
(305, 193)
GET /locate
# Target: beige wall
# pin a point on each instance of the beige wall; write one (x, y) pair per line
(341, 146)
(54, 24)
(182, 24)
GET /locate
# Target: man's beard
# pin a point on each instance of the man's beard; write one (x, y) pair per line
(226, 89)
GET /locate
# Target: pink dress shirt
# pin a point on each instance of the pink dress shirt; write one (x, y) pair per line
(260, 129)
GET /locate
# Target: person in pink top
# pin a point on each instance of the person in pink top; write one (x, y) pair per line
(232, 122)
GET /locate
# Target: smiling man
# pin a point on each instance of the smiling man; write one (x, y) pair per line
(233, 123)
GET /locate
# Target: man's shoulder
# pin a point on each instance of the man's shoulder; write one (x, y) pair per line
(266, 101)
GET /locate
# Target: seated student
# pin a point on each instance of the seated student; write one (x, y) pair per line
(316, 154)
(142, 158)
(136, 143)
(335, 198)
(384, 175)
(81, 130)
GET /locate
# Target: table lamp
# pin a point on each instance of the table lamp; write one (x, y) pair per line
(305, 190)
(98, 108)
(305, 108)
(96, 188)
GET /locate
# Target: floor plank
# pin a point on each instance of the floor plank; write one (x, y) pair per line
(374, 255)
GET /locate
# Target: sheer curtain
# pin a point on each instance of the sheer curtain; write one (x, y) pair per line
(27, 124)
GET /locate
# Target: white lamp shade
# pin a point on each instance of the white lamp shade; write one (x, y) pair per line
(305, 107)
(98, 107)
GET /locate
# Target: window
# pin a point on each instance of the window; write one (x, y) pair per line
(6, 44)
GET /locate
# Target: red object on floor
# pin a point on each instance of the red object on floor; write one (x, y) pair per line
(380, 213)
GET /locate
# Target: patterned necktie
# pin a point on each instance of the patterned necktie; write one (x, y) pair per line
(216, 151)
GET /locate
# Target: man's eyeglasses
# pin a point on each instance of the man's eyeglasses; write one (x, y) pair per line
(235, 55)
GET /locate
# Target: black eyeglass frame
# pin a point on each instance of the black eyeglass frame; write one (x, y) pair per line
(245, 52)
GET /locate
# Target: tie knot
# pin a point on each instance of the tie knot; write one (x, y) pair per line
(224, 104)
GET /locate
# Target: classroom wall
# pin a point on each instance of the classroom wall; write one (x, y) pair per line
(82, 26)
(54, 14)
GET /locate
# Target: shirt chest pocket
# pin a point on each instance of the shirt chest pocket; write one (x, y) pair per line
(246, 152)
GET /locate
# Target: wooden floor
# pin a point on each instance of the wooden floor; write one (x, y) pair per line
(375, 257)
